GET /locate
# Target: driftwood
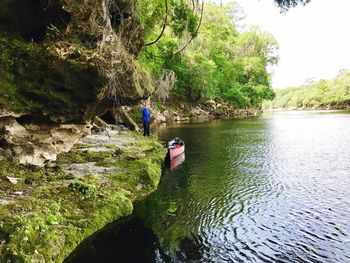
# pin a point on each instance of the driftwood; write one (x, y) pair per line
(125, 119)
(101, 125)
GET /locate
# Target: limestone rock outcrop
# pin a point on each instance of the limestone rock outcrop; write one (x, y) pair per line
(66, 61)
(38, 143)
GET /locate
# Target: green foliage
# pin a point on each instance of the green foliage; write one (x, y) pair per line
(333, 93)
(151, 14)
(220, 62)
(181, 17)
(87, 190)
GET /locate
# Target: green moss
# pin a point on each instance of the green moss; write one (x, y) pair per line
(77, 156)
(34, 79)
(9, 98)
(11, 51)
(87, 190)
(174, 235)
(56, 213)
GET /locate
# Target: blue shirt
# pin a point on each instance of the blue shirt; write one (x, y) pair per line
(145, 114)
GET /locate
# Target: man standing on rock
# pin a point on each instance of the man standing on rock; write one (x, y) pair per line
(146, 120)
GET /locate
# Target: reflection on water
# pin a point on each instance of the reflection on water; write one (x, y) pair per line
(267, 189)
(176, 162)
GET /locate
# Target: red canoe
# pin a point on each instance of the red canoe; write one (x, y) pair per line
(175, 147)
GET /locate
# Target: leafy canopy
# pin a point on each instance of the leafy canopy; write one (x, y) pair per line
(220, 62)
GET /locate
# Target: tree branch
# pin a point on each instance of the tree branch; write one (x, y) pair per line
(190, 40)
(164, 25)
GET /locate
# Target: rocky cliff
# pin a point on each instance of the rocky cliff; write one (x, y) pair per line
(63, 62)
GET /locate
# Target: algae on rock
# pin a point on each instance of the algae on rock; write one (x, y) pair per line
(51, 210)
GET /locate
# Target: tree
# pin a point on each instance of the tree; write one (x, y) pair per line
(333, 93)
(220, 62)
(177, 16)
(180, 16)
(224, 63)
(286, 4)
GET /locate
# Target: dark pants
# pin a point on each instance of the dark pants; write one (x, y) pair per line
(146, 128)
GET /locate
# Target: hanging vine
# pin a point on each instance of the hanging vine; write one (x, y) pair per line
(180, 14)
(164, 25)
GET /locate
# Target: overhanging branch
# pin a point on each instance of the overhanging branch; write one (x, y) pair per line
(164, 25)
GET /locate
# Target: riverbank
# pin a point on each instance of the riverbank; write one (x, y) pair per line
(333, 94)
(180, 110)
(46, 212)
(337, 106)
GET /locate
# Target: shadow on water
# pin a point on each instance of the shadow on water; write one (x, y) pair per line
(131, 241)
(127, 240)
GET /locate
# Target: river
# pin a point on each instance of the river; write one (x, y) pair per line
(274, 188)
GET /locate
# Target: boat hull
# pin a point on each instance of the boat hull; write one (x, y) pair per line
(176, 151)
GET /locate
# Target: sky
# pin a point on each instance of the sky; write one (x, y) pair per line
(314, 39)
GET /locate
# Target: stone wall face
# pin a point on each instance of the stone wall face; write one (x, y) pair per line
(68, 61)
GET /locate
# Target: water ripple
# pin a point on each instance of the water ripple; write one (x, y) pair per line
(273, 189)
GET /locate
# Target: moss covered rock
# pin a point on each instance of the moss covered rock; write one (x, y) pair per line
(65, 62)
(49, 211)
(72, 60)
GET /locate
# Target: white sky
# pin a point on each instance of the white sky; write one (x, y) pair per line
(314, 39)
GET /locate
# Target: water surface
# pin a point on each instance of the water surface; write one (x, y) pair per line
(274, 188)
